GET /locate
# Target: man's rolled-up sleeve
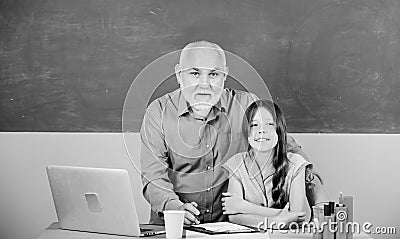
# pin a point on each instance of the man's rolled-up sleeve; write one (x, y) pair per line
(157, 187)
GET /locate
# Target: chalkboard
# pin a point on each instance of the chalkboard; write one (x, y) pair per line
(66, 66)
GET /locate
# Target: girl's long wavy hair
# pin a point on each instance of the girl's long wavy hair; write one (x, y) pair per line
(280, 161)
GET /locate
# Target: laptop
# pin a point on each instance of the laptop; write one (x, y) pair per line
(95, 200)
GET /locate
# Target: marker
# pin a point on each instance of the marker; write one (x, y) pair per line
(331, 207)
(329, 219)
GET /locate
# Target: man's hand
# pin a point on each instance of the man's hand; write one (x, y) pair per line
(232, 203)
(314, 189)
(191, 213)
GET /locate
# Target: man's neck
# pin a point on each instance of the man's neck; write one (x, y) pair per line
(200, 113)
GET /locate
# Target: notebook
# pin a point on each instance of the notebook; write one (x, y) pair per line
(95, 200)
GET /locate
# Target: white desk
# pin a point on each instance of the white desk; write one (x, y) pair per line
(54, 232)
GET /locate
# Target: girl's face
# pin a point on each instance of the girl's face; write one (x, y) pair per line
(262, 132)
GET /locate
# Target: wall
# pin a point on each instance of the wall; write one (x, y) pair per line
(364, 166)
(66, 66)
(26, 205)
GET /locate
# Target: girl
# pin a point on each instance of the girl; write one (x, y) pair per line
(266, 180)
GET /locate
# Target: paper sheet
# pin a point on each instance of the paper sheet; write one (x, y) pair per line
(223, 227)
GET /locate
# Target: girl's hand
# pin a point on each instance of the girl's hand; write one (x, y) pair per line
(232, 203)
(286, 217)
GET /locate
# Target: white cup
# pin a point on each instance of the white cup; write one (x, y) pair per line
(174, 223)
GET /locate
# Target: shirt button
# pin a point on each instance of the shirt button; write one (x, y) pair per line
(208, 167)
(208, 211)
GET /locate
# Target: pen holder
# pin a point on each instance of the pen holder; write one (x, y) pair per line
(318, 212)
(341, 221)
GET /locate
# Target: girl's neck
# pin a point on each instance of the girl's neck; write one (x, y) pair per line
(262, 158)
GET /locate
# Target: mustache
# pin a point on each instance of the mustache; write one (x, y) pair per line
(203, 93)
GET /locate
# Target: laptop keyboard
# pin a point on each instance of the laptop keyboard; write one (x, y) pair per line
(145, 229)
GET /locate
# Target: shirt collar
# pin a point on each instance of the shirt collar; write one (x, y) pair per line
(252, 167)
(254, 172)
(183, 105)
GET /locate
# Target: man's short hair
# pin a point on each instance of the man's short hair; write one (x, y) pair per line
(203, 44)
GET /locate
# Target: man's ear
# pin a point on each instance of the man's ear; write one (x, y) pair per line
(226, 72)
(178, 73)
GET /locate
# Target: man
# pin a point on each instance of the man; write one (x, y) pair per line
(188, 133)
